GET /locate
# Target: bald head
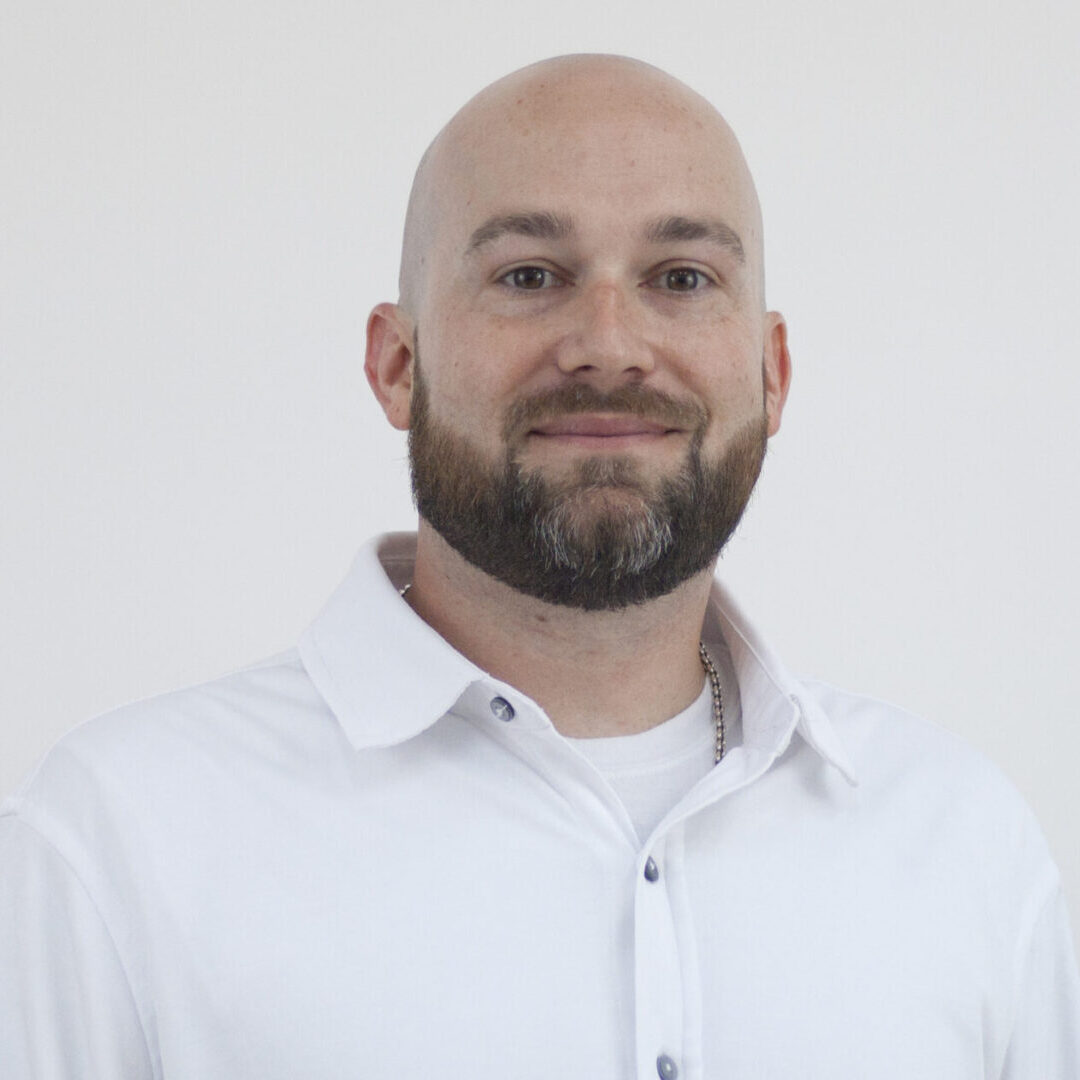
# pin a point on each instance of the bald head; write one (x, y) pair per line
(611, 118)
(582, 235)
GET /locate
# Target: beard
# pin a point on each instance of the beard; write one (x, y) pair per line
(601, 538)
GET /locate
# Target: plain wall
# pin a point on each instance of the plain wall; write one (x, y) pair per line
(200, 202)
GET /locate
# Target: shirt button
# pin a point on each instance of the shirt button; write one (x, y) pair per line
(652, 872)
(502, 708)
(666, 1068)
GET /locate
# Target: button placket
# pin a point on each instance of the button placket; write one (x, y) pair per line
(658, 968)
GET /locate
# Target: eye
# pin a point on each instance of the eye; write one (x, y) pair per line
(683, 279)
(531, 278)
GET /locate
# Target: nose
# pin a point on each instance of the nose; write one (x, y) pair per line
(606, 340)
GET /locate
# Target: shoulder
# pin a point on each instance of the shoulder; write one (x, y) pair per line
(884, 737)
(929, 786)
(175, 744)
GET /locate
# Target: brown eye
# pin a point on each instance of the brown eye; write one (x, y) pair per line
(682, 279)
(531, 277)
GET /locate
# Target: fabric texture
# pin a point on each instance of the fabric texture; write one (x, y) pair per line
(345, 862)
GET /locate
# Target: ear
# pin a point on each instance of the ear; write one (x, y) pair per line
(389, 361)
(776, 369)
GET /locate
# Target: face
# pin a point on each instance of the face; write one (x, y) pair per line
(599, 374)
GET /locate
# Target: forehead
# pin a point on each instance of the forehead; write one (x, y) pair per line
(613, 162)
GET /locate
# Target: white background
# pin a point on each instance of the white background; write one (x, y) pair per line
(200, 201)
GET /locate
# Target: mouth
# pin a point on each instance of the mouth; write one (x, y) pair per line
(601, 432)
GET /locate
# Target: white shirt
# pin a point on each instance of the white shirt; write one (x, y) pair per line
(652, 770)
(367, 859)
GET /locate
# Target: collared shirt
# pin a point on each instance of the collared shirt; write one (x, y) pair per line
(367, 858)
(650, 771)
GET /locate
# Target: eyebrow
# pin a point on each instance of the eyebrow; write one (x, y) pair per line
(540, 225)
(672, 229)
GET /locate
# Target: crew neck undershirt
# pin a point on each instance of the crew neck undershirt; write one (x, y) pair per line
(652, 770)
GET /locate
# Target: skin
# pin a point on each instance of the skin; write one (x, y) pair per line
(611, 147)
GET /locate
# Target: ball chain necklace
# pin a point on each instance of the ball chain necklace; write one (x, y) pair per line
(714, 690)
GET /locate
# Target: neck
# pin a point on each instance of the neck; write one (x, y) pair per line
(593, 672)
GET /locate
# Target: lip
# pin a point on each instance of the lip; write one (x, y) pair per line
(594, 428)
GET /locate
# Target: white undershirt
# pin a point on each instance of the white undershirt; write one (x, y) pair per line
(652, 770)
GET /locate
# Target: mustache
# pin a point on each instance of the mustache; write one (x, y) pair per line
(631, 399)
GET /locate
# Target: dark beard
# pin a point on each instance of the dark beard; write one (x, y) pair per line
(551, 540)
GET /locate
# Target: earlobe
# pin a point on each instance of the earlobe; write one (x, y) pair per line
(776, 369)
(389, 361)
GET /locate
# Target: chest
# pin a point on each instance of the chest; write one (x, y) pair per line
(411, 930)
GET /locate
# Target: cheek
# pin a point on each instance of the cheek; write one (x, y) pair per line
(726, 370)
(478, 364)
(466, 396)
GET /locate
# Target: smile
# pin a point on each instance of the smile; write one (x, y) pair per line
(601, 432)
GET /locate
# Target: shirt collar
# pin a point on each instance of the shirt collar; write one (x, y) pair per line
(772, 699)
(387, 675)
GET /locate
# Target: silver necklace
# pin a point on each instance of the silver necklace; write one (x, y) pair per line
(717, 700)
(714, 690)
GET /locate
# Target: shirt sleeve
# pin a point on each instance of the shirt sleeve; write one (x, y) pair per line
(66, 1007)
(1045, 1041)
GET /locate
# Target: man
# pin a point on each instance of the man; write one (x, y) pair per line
(532, 798)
